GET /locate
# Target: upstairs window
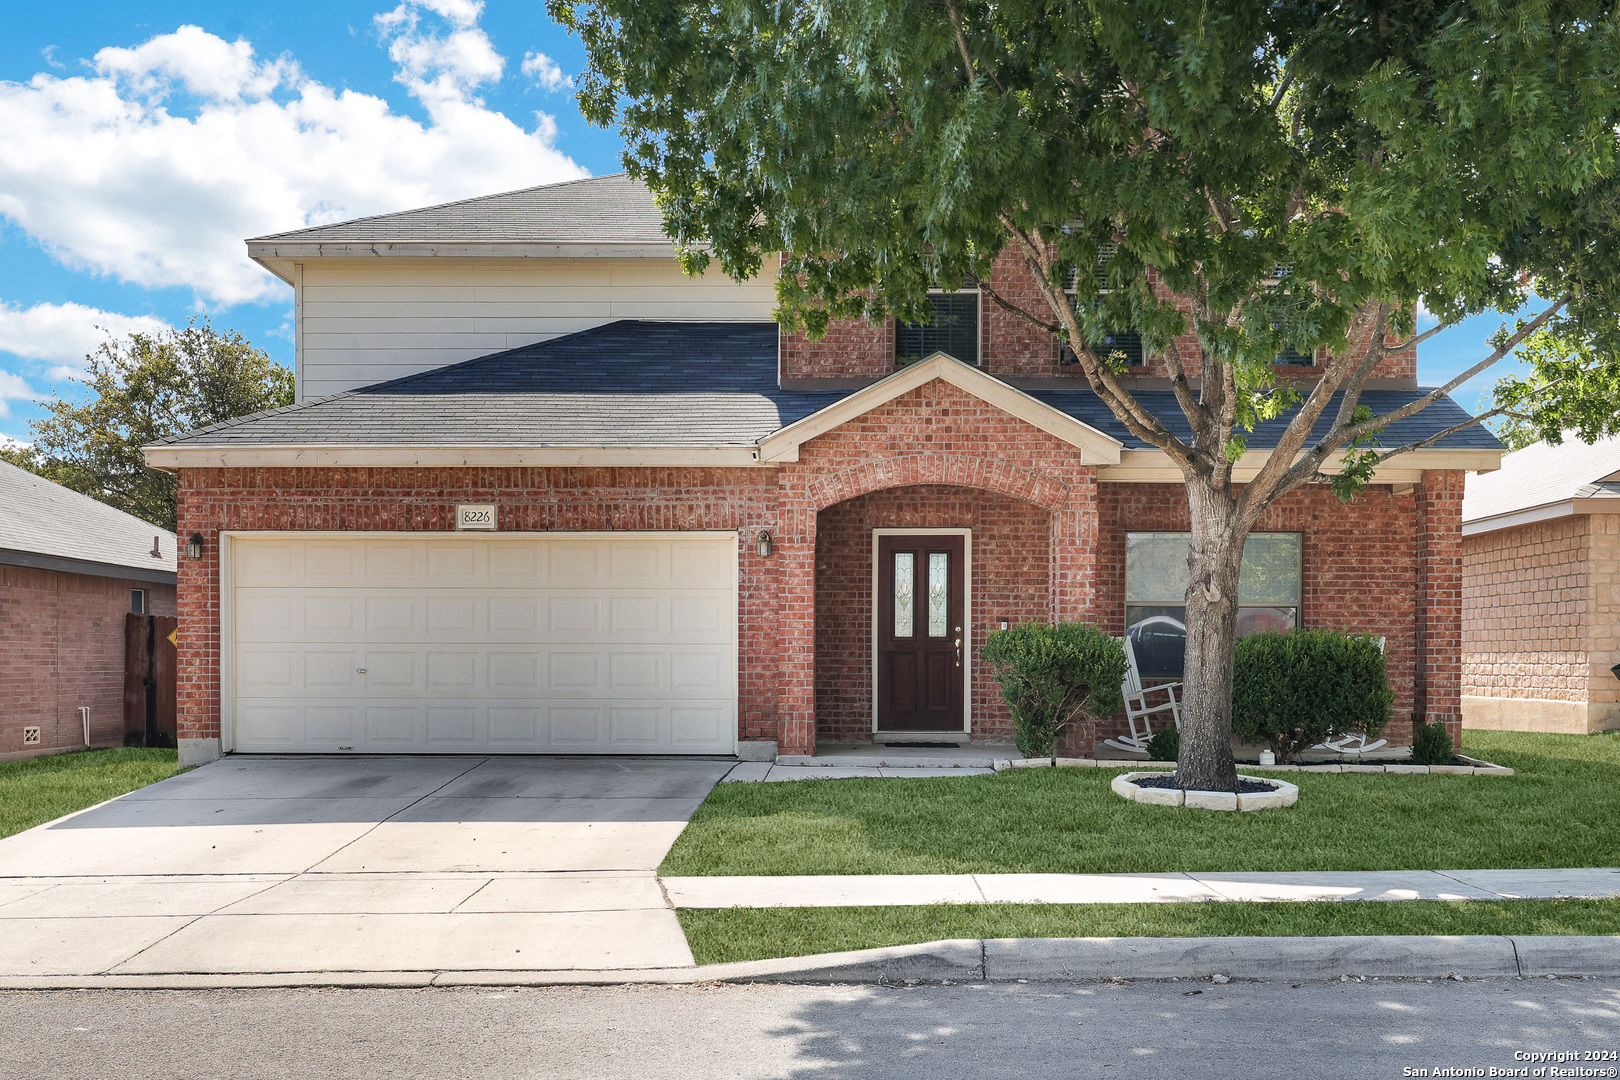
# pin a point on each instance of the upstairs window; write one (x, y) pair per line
(1292, 357)
(1125, 344)
(954, 329)
(1121, 343)
(1156, 593)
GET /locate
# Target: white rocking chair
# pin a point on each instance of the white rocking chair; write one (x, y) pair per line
(1356, 744)
(1138, 713)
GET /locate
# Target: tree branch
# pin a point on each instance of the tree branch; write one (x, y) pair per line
(1311, 463)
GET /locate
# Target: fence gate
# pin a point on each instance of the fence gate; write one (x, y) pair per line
(149, 656)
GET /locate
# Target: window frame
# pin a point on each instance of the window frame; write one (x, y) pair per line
(1163, 608)
(978, 358)
(140, 602)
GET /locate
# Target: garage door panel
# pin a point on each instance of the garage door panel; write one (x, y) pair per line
(449, 644)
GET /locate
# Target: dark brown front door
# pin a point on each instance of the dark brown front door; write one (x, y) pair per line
(919, 638)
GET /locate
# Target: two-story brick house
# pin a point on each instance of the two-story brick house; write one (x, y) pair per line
(540, 492)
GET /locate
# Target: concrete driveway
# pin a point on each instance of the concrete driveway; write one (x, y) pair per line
(372, 864)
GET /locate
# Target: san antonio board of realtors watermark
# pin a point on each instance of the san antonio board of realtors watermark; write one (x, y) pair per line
(1532, 1063)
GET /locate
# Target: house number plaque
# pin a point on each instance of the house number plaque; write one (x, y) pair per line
(481, 516)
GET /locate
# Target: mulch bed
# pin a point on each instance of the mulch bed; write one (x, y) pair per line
(1245, 785)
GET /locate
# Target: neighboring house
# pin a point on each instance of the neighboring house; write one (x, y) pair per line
(71, 569)
(1541, 590)
(540, 492)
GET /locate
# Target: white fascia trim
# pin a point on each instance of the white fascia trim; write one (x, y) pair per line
(1096, 448)
(214, 457)
(1601, 504)
(1155, 466)
(263, 250)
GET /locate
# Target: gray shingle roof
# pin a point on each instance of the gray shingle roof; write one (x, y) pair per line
(1541, 474)
(44, 519)
(635, 383)
(604, 209)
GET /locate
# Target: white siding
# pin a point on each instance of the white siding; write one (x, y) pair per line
(363, 321)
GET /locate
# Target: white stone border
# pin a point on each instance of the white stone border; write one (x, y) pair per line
(1286, 794)
(1475, 767)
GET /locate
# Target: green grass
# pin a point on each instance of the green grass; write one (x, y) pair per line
(1559, 810)
(36, 790)
(760, 933)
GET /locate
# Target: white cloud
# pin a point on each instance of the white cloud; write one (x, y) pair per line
(545, 72)
(64, 334)
(14, 388)
(154, 168)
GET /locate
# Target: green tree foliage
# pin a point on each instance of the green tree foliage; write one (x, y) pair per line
(1052, 675)
(1293, 690)
(1300, 175)
(138, 390)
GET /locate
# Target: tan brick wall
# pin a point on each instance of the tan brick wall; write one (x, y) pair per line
(1541, 604)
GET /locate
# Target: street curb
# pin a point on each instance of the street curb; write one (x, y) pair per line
(992, 960)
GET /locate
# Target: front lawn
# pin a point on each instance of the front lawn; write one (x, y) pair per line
(1558, 811)
(36, 790)
(723, 936)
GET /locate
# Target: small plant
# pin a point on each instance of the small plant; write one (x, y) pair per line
(1293, 690)
(1165, 744)
(1052, 675)
(1431, 744)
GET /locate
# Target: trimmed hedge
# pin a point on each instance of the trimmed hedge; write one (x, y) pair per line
(1294, 689)
(1053, 674)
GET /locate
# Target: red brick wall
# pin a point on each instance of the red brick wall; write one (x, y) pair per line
(424, 499)
(1009, 344)
(1360, 566)
(1439, 620)
(62, 646)
(1009, 576)
(1049, 543)
(850, 349)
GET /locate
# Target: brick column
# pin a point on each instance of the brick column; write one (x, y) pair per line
(796, 584)
(197, 638)
(1438, 677)
(1073, 548)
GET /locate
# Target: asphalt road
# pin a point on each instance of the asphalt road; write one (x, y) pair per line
(1196, 1030)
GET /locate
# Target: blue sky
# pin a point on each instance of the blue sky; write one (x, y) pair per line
(145, 139)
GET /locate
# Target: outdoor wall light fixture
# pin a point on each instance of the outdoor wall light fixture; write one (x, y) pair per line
(194, 546)
(765, 545)
(1003, 622)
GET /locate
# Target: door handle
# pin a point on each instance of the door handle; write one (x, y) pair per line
(958, 652)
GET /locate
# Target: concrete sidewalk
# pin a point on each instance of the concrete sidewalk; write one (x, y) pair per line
(893, 890)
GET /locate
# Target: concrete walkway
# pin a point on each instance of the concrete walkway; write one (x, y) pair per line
(263, 865)
(892, 890)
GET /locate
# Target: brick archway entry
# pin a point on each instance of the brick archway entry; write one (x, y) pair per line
(1010, 571)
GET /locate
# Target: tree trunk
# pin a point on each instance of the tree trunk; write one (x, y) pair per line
(1215, 556)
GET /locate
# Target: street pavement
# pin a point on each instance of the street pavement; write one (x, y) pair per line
(1274, 1029)
(358, 864)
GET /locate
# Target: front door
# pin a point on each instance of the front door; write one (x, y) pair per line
(920, 633)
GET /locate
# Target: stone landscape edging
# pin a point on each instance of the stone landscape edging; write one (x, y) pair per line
(1282, 794)
(1475, 766)
(990, 960)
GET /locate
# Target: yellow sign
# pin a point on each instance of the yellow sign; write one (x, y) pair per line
(172, 635)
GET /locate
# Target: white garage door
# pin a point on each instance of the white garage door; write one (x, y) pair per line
(570, 644)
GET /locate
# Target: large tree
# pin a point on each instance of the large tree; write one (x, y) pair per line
(1299, 174)
(138, 390)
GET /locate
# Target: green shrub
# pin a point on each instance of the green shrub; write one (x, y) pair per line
(1053, 675)
(1165, 745)
(1431, 744)
(1293, 690)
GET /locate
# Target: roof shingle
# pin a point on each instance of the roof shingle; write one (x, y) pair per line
(633, 383)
